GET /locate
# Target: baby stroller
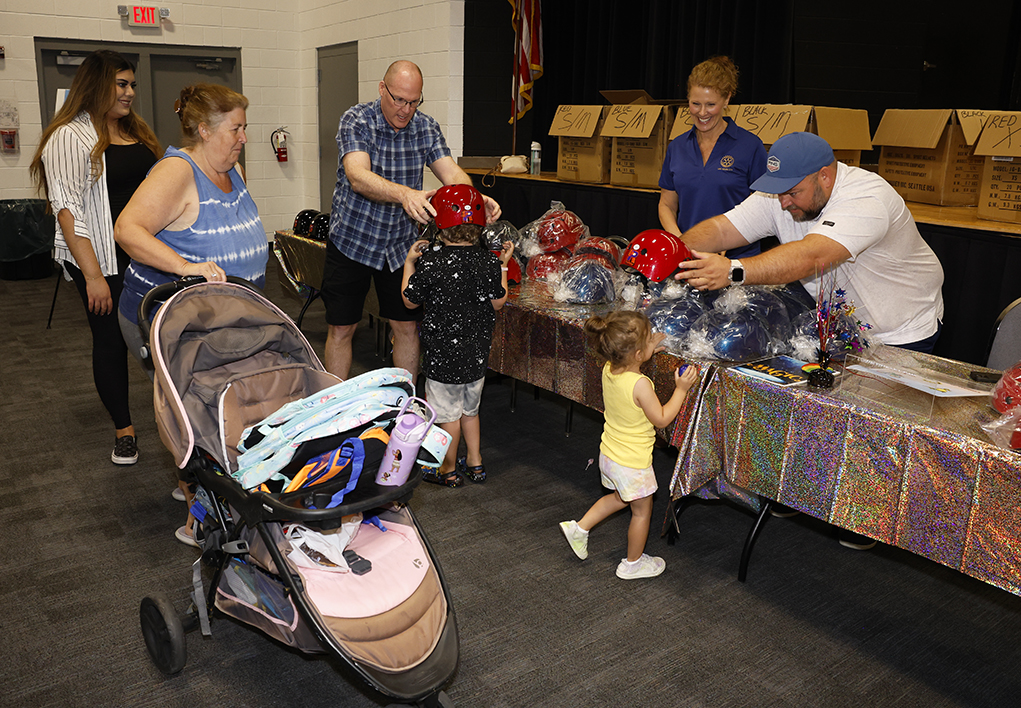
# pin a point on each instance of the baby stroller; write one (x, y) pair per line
(225, 359)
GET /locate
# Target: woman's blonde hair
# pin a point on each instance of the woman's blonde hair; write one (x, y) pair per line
(205, 103)
(717, 73)
(619, 335)
(93, 90)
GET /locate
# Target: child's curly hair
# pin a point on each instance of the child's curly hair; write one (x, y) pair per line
(619, 335)
(462, 233)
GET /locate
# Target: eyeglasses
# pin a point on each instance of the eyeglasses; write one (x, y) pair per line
(400, 102)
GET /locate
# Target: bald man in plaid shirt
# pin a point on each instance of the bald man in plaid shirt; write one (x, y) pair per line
(384, 146)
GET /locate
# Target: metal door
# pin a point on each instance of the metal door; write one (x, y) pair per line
(172, 72)
(338, 91)
(161, 71)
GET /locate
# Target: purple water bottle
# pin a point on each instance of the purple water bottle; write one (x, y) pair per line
(405, 440)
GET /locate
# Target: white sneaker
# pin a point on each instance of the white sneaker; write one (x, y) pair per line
(577, 537)
(177, 494)
(645, 567)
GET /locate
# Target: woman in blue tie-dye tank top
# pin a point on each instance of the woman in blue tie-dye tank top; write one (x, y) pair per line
(193, 214)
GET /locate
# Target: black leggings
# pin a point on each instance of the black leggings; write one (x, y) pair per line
(109, 353)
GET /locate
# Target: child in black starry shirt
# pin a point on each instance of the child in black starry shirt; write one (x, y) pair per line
(460, 285)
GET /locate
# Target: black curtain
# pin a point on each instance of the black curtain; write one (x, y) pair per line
(592, 45)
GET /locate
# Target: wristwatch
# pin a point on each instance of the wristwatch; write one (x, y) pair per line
(736, 272)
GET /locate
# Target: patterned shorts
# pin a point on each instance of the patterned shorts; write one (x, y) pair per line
(630, 483)
(451, 401)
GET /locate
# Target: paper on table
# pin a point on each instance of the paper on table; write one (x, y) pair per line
(936, 387)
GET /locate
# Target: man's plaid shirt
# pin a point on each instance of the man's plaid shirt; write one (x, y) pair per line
(376, 233)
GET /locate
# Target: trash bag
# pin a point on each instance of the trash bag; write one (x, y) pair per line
(26, 239)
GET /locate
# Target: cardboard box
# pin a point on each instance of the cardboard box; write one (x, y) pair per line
(771, 121)
(999, 197)
(640, 134)
(845, 129)
(928, 155)
(683, 120)
(583, 153)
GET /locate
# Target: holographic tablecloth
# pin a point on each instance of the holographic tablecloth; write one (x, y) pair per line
(881, 459)
(301, 262)
(543, 343)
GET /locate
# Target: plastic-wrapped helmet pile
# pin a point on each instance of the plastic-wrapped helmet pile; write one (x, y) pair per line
(739, 323)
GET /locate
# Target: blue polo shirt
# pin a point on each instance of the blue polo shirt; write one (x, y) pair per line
(379, 234)
(704, 191)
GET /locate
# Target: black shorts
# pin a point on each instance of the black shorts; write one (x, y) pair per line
(346, 283)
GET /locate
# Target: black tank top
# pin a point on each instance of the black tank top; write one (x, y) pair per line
(126, 167)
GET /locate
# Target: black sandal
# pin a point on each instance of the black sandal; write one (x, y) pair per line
(476, 474)
(450, 479)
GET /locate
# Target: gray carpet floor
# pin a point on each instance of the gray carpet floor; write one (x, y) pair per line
(814, 625)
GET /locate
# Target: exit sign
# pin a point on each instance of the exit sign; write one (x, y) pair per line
(140, 16)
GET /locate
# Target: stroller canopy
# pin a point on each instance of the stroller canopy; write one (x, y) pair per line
(204, 338)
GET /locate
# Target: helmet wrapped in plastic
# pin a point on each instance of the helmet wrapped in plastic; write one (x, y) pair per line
(499, 232)
(656, 254)
(320, 228)
(541, 266)
(1006, 398)
(585, 279)
(599, 246)
(562, 229)
(739, 336)
(675, 318)
(458, 204)
(1007, 392)
(303, 221)
(556, 229)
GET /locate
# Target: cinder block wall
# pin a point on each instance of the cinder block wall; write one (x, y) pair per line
(278, 44)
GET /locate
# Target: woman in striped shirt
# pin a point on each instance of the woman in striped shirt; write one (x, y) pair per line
(90, 160)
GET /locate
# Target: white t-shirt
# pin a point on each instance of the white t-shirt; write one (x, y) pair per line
(893, 278)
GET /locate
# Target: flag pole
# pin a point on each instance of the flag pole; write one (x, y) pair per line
(517, 76)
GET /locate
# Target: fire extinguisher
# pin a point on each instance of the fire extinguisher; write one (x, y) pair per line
(279, 142)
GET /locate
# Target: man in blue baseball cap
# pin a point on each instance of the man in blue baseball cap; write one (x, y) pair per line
(832, 220)
(838, 226)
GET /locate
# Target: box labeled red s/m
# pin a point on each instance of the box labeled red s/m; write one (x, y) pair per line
(583, 153)
(999, 146)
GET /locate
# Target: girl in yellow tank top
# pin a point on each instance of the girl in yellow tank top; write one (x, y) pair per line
(632, 411)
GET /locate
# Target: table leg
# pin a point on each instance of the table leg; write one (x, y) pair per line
(672, 524)
(312, 295)
(746, 552)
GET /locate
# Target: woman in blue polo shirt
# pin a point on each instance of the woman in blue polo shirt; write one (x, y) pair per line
(710, 168)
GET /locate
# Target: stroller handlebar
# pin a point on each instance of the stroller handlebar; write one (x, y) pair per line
(160, 293)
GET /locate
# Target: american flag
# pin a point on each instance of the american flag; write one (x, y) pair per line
(527, 19)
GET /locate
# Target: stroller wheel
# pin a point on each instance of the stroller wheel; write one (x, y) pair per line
(164, 634)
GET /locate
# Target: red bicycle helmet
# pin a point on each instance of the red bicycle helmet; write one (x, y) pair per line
(458, 204)
(513, 269)
(559, 229)
(656, 254)
(1007, 393)
(1007, 396)
(539, 267)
